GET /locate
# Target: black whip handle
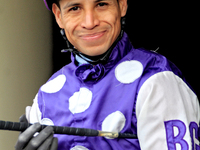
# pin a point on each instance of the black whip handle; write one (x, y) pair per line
(21, 126)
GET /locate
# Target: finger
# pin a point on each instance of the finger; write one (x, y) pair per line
(40, 138)
(25, 137)
(54, 145)
(23, 118)
(46, 144)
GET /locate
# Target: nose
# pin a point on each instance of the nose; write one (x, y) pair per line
(89, 20)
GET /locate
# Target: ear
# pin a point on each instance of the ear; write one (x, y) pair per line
(57, 13)
(123, 7)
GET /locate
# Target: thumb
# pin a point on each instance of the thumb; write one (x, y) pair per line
(22, 118)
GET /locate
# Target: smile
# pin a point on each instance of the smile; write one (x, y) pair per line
(92, 36)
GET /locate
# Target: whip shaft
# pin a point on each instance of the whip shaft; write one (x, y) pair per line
(21, 126)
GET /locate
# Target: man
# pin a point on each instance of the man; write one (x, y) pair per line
(111, 86)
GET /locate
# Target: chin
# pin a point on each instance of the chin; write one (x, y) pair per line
(94, 51)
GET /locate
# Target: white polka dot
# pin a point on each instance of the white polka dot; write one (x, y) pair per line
(114, 122)
(78, 147)
(47, 121)
(54, 85)
(80, 101)
(128, 71)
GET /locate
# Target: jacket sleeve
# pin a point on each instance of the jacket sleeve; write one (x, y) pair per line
(168, 114)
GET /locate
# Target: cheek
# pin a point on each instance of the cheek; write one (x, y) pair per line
(70, 27)
(115, 23)
(114, 19)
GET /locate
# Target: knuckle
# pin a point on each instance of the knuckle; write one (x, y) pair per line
(22, 138)
(47, 131)
(34, 144)
(36, 125)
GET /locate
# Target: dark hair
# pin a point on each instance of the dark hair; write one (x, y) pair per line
(57, 3)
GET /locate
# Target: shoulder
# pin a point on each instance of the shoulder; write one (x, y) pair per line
(151, 59)
(167, 84)
(154, 63)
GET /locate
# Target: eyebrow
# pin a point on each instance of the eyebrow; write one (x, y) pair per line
(70, 4)
(96, 1)
(102, 0)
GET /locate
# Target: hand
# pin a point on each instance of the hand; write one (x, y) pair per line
(43, 141)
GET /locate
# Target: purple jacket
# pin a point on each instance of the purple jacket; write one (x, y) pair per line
(136, 91)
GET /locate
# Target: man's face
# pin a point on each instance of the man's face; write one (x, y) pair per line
(91, 26)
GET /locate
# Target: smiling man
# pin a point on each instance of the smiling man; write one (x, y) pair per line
(90, 26)
(110, 86)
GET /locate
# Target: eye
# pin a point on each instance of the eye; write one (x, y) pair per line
(102, 4)
(75, 8)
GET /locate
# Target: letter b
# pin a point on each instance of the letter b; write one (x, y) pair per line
(172, 140)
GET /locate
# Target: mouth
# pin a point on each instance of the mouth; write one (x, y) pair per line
(92, 36)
